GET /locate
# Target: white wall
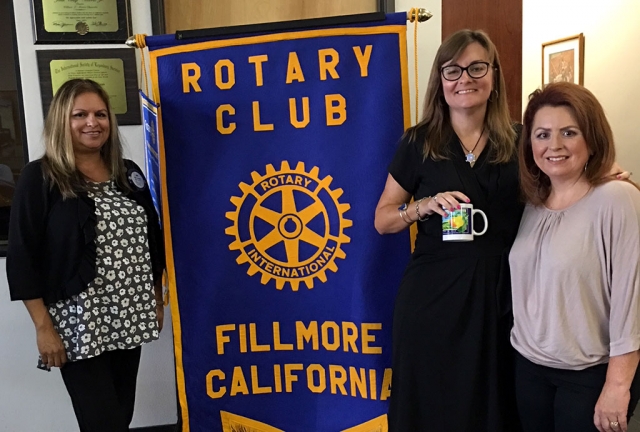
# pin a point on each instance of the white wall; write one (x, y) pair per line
(32, 400)
(612, 63)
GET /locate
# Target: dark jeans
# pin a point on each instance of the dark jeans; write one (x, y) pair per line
(103, 389)
(559, 400)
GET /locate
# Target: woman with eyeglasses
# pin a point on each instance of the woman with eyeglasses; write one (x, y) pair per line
(452, 360)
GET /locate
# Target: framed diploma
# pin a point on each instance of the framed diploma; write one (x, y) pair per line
(113, 69)
(80, 21)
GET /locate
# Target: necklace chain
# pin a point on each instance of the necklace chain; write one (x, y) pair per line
(470, 157)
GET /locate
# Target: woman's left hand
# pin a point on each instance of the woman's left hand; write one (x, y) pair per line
(611, 409)
(619, 173)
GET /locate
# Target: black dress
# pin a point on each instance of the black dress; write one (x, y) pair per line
(452, 359)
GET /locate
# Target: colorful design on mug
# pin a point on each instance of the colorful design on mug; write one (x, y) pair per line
(457, 222)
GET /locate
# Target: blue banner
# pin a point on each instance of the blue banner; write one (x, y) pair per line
(273, 155)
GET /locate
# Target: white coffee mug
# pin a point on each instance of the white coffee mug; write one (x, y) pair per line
(458, 224)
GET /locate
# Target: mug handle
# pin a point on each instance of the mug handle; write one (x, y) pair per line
(486, 222)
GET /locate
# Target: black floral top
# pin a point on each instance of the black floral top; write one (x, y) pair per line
(118, 308)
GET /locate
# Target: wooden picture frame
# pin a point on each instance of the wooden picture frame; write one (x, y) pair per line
(80, 21)
(114, 69)
(563, 60)
(160, 25)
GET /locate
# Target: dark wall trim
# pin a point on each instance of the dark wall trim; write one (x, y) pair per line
(21, 134)
(157, 17)
(387, 6)
(16, 58)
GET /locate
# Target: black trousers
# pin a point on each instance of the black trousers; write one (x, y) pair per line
(103, 389)
(559, 400)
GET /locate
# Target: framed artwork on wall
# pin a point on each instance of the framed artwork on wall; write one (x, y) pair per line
(80, 21)
(563, 60)
(114, 69)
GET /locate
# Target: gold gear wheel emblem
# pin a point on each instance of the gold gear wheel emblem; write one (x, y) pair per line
(289, 226)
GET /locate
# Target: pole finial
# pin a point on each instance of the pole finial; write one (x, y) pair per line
(423, 14)
(131, 42)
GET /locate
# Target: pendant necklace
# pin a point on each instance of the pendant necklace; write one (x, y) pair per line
(470, 157)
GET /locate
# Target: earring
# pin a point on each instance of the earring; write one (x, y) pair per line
(491, 98)
(586, 165)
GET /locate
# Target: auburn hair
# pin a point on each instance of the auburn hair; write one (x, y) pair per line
(592, 122)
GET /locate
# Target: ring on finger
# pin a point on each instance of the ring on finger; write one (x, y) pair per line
(614, 424)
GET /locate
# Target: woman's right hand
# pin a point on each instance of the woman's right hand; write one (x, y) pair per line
(50, 347)
(448, 201)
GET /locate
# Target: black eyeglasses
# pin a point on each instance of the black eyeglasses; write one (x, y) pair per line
(474, 70)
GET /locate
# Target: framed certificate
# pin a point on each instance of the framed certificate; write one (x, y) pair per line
(113, 69)
(80, 21)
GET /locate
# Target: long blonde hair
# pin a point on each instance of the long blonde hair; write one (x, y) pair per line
(435, 125)
(59, 164)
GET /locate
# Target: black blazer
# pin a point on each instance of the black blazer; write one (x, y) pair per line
(52, 251)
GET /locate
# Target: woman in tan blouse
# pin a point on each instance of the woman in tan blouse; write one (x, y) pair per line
(575, 271)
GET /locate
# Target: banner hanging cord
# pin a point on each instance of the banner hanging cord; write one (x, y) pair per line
(416, 15)
(141, 44)
(413, 17)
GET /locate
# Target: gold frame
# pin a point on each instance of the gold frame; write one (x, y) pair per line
(576, 43)
(41, 36)
(128, 57)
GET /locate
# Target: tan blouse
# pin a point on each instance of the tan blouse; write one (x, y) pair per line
(575, 276)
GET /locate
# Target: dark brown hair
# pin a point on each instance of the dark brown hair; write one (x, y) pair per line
(593, 124)
(436, 124)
